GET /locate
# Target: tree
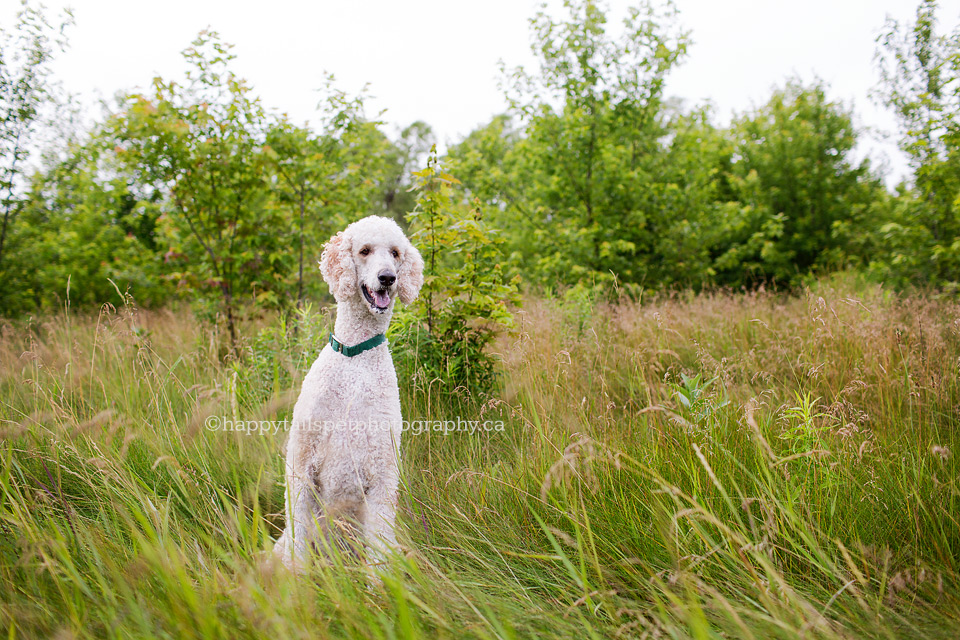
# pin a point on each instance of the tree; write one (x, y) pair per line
(25, 86)
(85, 232)
(403, 156)
(589, 152)
(483, 162)
(466, 295)
(920, 82)
(795, 181)
(202, 146)
(309, 167)
(486, 162)
(692, 184)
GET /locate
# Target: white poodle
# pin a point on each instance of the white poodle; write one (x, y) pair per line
(342, 456)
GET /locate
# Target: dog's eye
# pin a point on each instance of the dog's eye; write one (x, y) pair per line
(396, 254)
(365, 251)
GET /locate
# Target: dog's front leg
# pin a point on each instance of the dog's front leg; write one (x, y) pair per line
(379, 516)
(306, 523)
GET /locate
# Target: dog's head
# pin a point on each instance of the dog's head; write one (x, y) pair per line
(372, 259)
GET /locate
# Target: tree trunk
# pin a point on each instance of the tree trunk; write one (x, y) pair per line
(228, 309)
(3, 234)
(8, 213)
(300, 275)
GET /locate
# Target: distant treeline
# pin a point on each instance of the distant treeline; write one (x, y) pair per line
(194, 190)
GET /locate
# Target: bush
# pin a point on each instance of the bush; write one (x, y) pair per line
(466, 296)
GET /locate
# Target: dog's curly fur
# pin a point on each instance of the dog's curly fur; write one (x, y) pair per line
(343, 451)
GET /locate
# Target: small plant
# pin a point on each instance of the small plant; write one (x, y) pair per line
(805, 423)
(280, 353)
(466, 296)
(692, 396)
(579, 304)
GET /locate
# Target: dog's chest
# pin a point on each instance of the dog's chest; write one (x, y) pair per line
(359, 389)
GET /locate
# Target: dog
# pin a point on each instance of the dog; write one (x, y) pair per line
(344, 449)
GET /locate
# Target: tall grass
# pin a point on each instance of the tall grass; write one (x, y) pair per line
(750, 466)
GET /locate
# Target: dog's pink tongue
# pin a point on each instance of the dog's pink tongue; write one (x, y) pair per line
(381, 299)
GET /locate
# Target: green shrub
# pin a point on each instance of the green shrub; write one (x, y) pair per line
(466, 296)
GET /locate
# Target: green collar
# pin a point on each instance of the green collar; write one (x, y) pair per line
(357, 349)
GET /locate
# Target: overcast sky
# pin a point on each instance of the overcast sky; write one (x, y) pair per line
(438, 61)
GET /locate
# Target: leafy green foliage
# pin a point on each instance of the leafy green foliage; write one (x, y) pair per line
(26, 52)
(594, 180)
(413, 144)
(587, 161)
(692, 397)
(920, 81)
(793, 178)
(316, 179)
(194, 188)
(201, 145)
(84, 228)
(804, 423)
(275, 357)
(466, 297)
(606, 180)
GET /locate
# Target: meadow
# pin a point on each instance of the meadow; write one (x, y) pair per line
(714, 465)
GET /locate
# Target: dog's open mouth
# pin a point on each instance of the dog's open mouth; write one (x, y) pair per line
(380, 298)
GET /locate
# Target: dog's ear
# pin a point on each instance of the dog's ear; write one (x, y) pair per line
(337, 268)
(410, 275)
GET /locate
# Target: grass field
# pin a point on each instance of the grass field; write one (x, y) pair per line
(736, 466)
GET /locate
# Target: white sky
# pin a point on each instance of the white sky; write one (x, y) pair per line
(437, 61)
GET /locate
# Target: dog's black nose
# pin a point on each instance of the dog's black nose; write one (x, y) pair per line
(387, 277)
